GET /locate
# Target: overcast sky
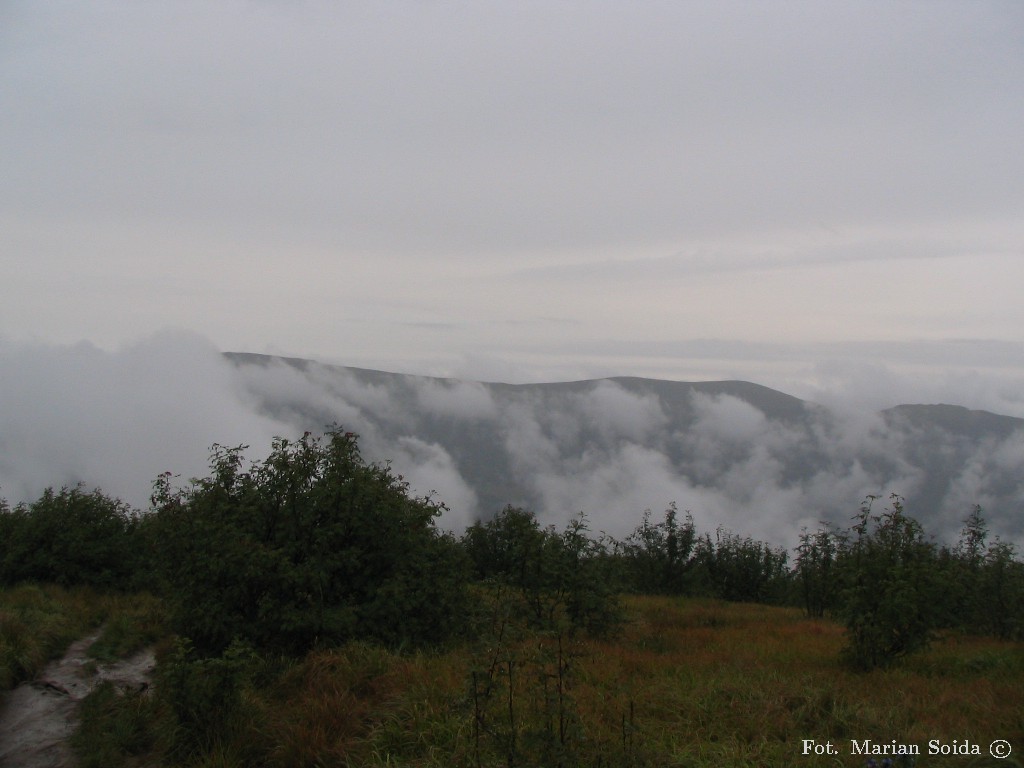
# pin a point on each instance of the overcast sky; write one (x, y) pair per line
(826, 197)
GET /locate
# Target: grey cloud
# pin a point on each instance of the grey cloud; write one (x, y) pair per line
(530, 450)
(729, 417)
(816, 246)
(619, 413)
(432, 472)
(613, 487)
(390, 183)
(462, 399)
(603, 123)
(117, 419)
(754, 461)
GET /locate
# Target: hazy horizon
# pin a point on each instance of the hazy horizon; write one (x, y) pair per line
(800, 194)
(822, 198)
(118, 419)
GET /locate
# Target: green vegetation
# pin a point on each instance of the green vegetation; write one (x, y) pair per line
(687, 681)
(554, 581)
(895, 589)
(892, 600)
(116, 727)
(311, 547)
(308, 611)
(71, 538)
(37, 622)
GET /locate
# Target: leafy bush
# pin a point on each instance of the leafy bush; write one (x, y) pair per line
(892, 600)
(312, 546)
(659, 557)
(71, 537)
(742, 569)
(557, 578)
(816, 569)
(1000, 593)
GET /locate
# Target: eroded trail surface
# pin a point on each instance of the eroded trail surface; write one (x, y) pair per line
(37, 718)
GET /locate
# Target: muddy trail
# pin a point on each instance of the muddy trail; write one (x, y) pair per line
(37, 718)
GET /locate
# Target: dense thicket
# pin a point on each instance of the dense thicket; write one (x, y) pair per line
(659, 558)
(314, 546)
(675, 559)
(894, 588)
(69, 537)
(558, 579)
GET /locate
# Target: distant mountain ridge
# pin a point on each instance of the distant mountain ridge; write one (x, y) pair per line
(955, 419)
(749, 457)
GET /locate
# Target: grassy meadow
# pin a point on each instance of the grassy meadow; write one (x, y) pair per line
(686, 682)
(323, 620)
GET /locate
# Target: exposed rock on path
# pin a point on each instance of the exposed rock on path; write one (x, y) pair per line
(36, 718)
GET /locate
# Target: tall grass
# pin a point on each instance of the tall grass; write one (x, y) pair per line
(38, 622)
(115, 727)
(131, 622)
(686, 683)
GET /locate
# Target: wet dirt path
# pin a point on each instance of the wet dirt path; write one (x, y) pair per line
(37, 718)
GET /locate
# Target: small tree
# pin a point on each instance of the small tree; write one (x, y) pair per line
(962, 566)
(1000, 600)
(69, 537)
(510, 546)
(589, 579)
(312, 546)
(742, 569)
(659, 556)
(971, 547)
(890, 604)
(816, 569)
(555, 578)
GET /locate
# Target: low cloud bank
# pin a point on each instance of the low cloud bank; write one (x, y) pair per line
(118, 419)
(610, 449)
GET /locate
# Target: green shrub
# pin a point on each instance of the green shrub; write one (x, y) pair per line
(71, 537)
(203, 696)
(816, 569)
(1000, 595)
(555, 581)
(312, 546)
(742, 569)
(659, 557)
(892, 601)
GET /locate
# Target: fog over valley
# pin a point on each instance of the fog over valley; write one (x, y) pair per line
(736, 454)
(619, 255)
(446, 376)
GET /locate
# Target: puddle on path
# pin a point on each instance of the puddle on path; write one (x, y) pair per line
(37, 718)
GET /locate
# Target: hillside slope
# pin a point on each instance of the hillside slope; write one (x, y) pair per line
(736, 453)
